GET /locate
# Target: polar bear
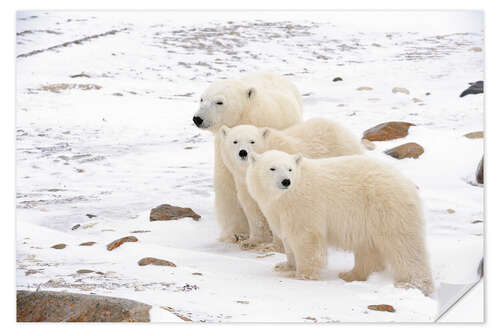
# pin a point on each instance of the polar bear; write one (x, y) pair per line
(355, 203)
(314, 138)
(260, 99)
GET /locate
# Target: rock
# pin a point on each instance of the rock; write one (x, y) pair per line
(375, 44)
(480, 268)
(52, 306)
(243, 302)
(167, 212)
(396, 90)
(474, 89)
(364, 88)
(338, 78)
(197, 273)
(411, 149)
(91, 216)
(387, 131)
(382, 307)
(368, 144)
(140, 231)
(340, 105)
(416, 100)
(475, 135)
(79, 75)
(476, 221)
(155, 261)
(33, 271)
(479, 172)
(58, 246)
(450, 211)
(476, 49)
(114, 244)
(76, 226)
(87, 244)
(84, 271)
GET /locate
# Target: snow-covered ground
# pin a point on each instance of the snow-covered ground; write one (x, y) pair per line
(120, 141)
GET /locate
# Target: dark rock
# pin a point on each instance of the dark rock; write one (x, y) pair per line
(475, 88)
(58, 246)
(338, 78)
(154, 261)
(76, 226)
(140, 231)
(411, 149)
(91, 216)
(87, 244)
(51, 306)
(114, 244)
(479, 172)
(387, 131)
(168, 212)
(480, 269)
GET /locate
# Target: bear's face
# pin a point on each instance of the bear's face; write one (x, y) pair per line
(238, 143)
(276, 171)
(223, 103)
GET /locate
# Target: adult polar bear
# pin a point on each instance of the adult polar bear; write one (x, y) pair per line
(259, 99)
(355, 203)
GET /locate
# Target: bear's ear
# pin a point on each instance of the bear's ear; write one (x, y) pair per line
(223, 130)
(251, 92)
(265, 132)
(253, 158)
(298, 159)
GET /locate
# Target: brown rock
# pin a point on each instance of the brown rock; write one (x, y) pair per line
(364, 88)
(476, 49)
(51, 306)
(58, 246)
(114, 244)
(475, 135)
(168, 212)
(416, 100)
(155, 261)
(411, 149)
(87, 244)
(368, 144)
(450, 211)
(382, 307)
(479, 172)
(387, 131)
(84, 271)
(396, 90)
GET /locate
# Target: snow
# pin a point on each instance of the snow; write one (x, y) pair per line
(84, 152)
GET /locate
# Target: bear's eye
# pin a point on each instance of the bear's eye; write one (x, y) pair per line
(235, 142)
(219, 103)
(272, 169)
(290, 170)
(252, 142)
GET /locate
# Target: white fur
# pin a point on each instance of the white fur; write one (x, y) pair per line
(355, 203)
(315, 138)
(261, 99)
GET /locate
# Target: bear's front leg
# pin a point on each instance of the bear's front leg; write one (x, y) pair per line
(259, 229)
(289, 264)
(230, 216)
(310, 253)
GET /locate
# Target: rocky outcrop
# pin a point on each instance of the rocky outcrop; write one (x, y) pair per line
(51, 306)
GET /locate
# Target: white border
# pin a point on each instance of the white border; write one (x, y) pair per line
(492, 76)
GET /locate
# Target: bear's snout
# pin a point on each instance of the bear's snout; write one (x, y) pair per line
(243, 154)
(197, 121)
(285, 182)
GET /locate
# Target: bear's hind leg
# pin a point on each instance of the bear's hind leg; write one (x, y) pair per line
(289, 264)
(366, 261)
(410, 265)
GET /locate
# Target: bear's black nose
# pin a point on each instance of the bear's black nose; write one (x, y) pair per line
(197, 120)
(285, 182)
(243, 153)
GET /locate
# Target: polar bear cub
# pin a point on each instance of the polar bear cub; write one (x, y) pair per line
(260, 99)
(314, 138)
(355, 203)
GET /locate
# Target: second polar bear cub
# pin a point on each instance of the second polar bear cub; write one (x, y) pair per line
(314, 138)
(355, 203)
